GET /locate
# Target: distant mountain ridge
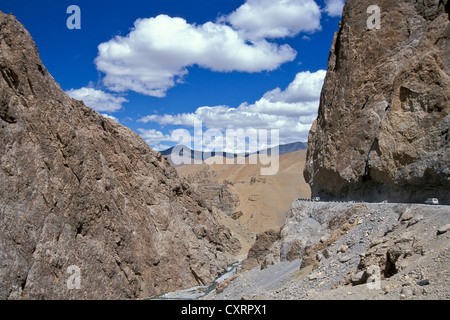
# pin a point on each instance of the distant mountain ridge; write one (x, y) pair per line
(201, 155)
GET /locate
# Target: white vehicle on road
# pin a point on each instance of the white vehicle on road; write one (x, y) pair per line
(432, 201)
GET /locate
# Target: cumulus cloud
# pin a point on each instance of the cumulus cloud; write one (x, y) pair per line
(334, 7)
(153, 137)
(258, 19)
(97, 99)
(155, 55)
(110, 117)
(305, 87)
(292, 111)
(160, 147)
(158, 51)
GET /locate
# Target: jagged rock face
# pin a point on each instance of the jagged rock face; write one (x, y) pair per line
(382, 132)
(218, 196)
(260, 249)
(80, 190)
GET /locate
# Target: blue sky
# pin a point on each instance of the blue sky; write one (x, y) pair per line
(155, 66)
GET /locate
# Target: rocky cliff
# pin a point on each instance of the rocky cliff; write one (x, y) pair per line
(87, 209)
(382, 132)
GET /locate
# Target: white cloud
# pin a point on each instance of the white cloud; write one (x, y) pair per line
(110, 117)
(154, 56)
(305, 87)
(160, 147)
(259, 19)
(153, 137)
(158, 51)
(292, 110)
(98, 99)
(334, 7)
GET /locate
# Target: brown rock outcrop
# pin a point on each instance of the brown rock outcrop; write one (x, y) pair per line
(80, 190)
(218, 196)
(382, 132)
(260, 248)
